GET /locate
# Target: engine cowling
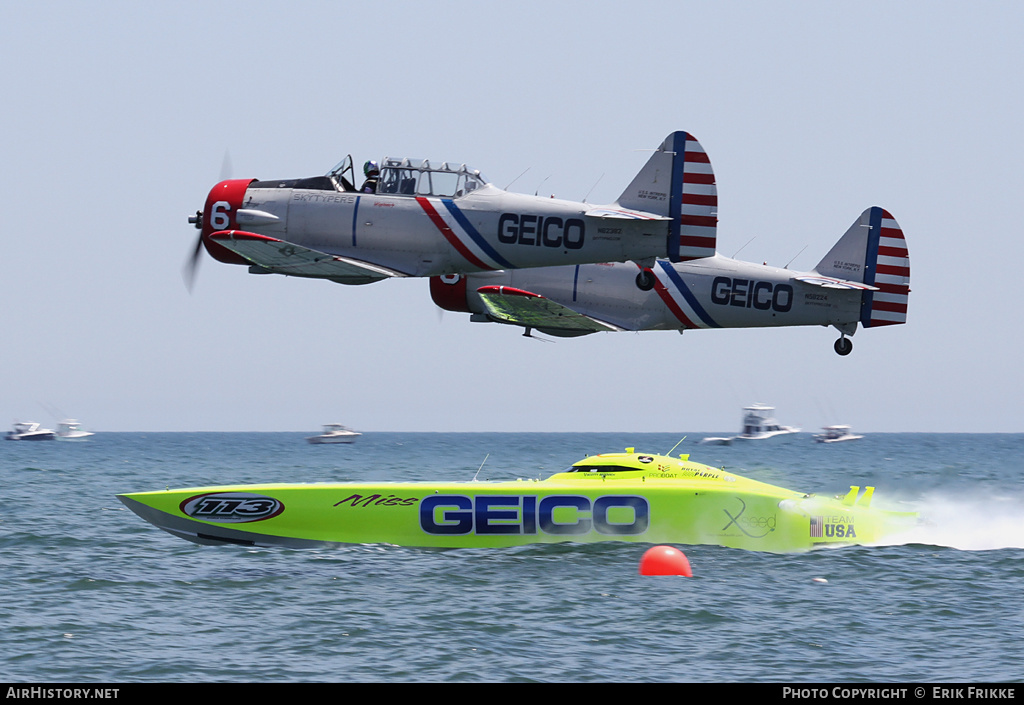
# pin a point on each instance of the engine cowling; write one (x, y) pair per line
(220, 213)
(449, 292)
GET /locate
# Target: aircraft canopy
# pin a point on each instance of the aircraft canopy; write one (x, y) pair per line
(418, 177)
(403, 177)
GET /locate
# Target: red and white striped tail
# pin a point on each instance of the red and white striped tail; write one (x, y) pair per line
(698, 207)
(688, 198)
(890, 262)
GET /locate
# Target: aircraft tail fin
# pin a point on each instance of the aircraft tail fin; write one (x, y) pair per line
(678, 182)
(873, 251)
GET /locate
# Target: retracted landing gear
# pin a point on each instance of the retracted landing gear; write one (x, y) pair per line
(645, 280)
(843, 346)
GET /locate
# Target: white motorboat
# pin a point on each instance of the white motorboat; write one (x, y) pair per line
(758, 424)
(71, 430)
(335, 433)
(834, 434)
(29, 431)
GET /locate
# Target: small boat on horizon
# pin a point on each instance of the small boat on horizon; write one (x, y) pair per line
(834, 434)
(71, 430)
(335, 433)
(29, 431)
(758, 424)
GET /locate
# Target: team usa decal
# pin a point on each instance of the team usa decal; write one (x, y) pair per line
(232, 507)
(556, 515)
(838, 527)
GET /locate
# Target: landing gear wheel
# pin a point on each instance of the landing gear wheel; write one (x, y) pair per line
(844, 346)
(645, 280)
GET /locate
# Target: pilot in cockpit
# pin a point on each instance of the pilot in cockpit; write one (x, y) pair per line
(372, 173)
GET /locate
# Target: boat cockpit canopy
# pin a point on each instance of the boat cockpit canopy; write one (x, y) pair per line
(603, 468)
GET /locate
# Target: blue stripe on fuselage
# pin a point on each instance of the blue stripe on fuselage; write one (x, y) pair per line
(355, 213)
(474, 235)
(677, 280)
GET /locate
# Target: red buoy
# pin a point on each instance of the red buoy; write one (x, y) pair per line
(665, 560)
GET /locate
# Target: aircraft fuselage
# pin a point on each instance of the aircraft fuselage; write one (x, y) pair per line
(485, 230)
(714, 292)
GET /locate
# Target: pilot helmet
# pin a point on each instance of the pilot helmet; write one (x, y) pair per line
(370, 167)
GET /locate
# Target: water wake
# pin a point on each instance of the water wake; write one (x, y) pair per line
(967, 523)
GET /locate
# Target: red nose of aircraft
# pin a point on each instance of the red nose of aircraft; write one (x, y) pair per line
(220, 213)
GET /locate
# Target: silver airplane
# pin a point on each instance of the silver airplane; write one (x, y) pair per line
(415, 218)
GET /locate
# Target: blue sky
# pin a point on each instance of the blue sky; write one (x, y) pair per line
(117, 118)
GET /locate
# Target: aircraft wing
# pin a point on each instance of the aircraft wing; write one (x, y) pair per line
(832, 283)
(270, 255)
(507, 304)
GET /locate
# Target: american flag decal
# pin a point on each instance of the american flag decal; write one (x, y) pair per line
(816, 527)
(694, 200)
(888, 268)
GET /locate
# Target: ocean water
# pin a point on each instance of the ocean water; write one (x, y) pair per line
(91, 593)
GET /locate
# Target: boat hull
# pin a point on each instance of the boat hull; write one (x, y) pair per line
(36, 436)
(765, 435)
(333, 439)
(77, 436)
(840, 439)
(708, 507)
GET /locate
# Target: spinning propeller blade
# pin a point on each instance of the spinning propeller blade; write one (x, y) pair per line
(191, 267)
(192, 263)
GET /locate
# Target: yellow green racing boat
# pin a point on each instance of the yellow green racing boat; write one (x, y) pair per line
(628, 496)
